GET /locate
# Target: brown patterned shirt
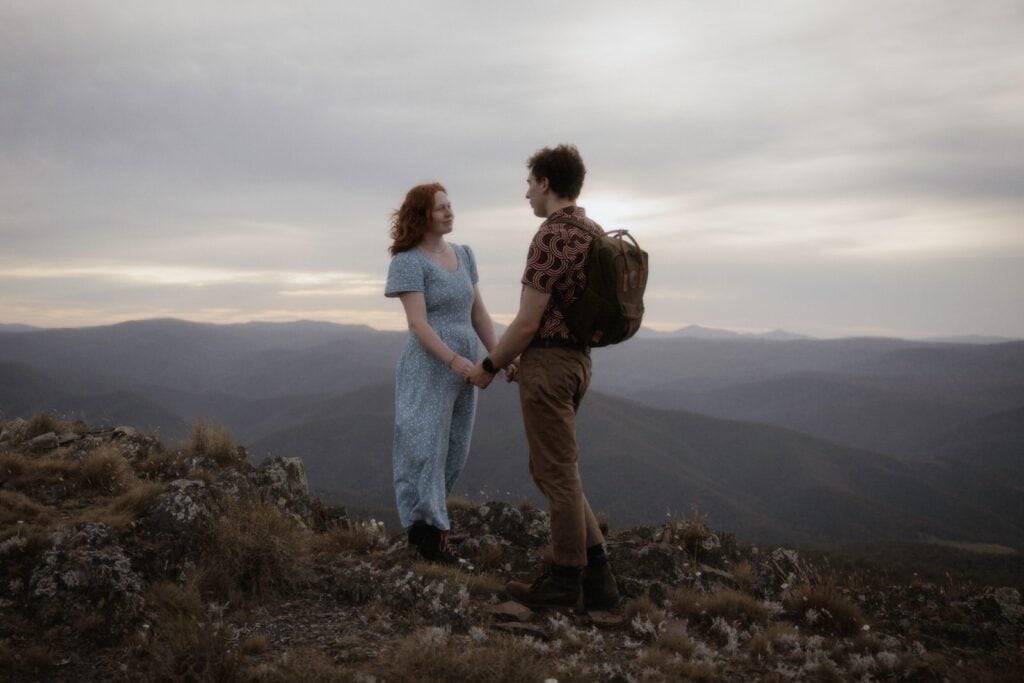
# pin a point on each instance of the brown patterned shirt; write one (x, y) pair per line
(556, 263)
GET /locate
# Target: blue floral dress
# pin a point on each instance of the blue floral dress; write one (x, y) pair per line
(434, 407)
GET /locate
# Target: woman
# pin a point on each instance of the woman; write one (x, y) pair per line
(436, 281)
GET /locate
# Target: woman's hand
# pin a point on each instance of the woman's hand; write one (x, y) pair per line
(461, 367)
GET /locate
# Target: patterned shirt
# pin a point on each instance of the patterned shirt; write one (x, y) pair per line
(556, 263)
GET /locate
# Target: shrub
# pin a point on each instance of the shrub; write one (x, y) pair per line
(824, 608)
(40, 424)
(213, 441)
(105, 470)
(184, 644)
(745, 575)
(254, 550)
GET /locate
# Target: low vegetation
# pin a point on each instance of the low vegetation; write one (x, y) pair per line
(120, 558)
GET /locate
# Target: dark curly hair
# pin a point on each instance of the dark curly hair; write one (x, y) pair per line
(411, 220)
(562, 166)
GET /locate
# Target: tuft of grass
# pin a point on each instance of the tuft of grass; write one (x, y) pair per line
(17, 507)
(431, 655)
(254, 645)
(675, 642)
(476, 584)
(214, 441)
(685, 601)
(490, 556)
(184, 643)
(643, 606)
(254, 551)
(305, 664)
(832, 612)
(526, 505)
(459, 503)
(40, 424)
(764, 643)
(731, 605)
(745, 575)
(105, 470)
(122, 511)
(359, 537)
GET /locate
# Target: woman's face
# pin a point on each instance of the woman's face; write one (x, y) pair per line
(442, 217)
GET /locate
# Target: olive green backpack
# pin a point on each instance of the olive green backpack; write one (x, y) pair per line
(611, 306)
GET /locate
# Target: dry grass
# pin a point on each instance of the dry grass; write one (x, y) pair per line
(490, 556)
(763, 644)
(674, 641)
(358, 538)
(664, 665)
(185, 644)
(214, 441)
(428, 656)
(526, 505)
(824, 608)
(40, 424)
(254, 551)
(121, 512)
(728, 604)
(745, 575)
(167, 465)
(685, 601)
(481, 585)
(106, 471)
(17, 507)
(52, 474)
(306, 665)
(254, 645)
(459, 503)
(644, 607)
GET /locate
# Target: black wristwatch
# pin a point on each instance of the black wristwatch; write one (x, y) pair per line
(489, 366)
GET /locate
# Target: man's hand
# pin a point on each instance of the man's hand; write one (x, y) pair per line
(479, 376)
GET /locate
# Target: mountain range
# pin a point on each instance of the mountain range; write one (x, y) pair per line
(775, 438)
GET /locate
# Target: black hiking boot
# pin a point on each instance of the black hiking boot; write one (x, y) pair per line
(556, 587)
(600, 592)
(433, 545)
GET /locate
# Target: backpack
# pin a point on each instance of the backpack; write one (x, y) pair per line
(611, 306)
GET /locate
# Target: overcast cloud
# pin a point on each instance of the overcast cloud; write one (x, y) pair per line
(827, 168)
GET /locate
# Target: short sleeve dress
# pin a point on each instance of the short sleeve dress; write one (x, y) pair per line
(434, 407)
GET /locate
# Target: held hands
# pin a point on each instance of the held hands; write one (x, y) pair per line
(461, 367)
(479, 376)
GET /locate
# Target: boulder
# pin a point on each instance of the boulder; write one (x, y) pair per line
(86, 573)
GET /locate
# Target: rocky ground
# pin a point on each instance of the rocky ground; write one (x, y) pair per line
(123, 559)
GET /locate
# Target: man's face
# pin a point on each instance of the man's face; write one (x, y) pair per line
(535, 194)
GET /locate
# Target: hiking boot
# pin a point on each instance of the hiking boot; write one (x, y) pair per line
(434, 546)
(548, 590)
(417, 531)
(600, 592)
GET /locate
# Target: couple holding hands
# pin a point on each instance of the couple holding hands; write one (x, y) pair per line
(437, 376)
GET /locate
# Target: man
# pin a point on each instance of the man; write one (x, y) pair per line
(553, 374)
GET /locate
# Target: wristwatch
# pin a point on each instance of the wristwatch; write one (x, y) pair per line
(489, 366)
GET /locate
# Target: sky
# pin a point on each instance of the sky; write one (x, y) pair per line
(827, 168)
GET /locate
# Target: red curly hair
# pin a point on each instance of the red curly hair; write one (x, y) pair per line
(410, 222)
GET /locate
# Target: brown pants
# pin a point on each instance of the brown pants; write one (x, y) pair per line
(552, 382)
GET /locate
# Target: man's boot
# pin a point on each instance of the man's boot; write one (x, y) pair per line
(556, 587)
(600, 592)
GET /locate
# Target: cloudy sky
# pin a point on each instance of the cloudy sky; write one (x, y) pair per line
(828, 168)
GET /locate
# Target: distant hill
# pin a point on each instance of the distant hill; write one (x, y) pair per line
(699, 332)
(790, 439)
(14, 327)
